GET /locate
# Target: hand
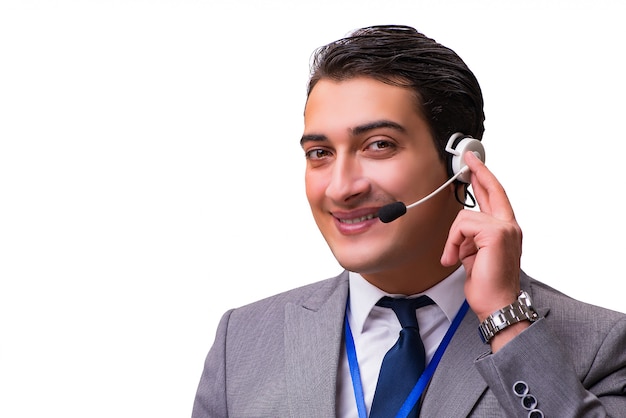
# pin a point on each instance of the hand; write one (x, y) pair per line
(488, 243)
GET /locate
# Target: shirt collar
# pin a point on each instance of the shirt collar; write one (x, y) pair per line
(448, 294)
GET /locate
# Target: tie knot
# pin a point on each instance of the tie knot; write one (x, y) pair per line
(405, 308)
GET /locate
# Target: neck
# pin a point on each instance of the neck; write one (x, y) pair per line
(409, 280)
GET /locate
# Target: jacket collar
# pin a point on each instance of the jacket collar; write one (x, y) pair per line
(313, 338)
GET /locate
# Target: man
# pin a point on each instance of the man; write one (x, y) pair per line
(383, 108)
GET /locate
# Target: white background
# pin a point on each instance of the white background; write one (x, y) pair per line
(151, 177)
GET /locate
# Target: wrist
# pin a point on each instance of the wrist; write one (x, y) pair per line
(503, 337)
(496, 306)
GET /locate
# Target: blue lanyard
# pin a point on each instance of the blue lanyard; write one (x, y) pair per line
(419, 387)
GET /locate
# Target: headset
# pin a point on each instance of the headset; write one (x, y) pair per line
(458, 144)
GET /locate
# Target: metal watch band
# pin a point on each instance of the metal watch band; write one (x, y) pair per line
(520, 310)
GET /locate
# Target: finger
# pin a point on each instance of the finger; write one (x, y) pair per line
(490, 194)
(472, 230)
(462, 236)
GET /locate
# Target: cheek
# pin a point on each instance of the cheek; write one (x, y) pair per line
(395, 180)
(315, 188)
(411, 180)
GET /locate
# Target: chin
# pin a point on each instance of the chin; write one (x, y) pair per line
(359, 261)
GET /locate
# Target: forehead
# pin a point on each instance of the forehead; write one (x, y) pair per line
(353, 102)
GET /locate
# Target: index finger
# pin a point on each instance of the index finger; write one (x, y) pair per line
(490, 194)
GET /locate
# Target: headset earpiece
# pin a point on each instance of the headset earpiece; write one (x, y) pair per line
(457, 146)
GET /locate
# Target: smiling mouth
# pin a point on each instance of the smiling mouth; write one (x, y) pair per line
(357, 220)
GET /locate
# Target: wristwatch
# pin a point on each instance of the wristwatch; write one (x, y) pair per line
(520, 310)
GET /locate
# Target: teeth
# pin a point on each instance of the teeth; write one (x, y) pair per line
(355, 220)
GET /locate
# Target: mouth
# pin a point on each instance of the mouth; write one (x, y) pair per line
(358, 219)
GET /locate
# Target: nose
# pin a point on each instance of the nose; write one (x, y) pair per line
(347, 182)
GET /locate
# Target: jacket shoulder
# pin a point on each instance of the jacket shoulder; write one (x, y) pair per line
(311, 296)
(562, 305)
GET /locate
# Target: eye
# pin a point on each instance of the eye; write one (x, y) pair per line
(381, 148)
(316, 154)
(380, 145)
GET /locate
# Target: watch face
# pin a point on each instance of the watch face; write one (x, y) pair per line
(524, 300)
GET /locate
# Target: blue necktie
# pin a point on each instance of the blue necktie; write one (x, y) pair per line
(404, 363)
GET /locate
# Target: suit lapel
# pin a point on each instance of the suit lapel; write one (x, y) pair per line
(456, 385)
(313, 336)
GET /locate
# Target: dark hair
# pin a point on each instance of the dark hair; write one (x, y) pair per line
(447, 92)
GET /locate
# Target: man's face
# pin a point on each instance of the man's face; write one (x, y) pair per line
(366, 146)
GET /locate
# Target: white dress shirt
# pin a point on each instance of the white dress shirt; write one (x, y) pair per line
(375, 330)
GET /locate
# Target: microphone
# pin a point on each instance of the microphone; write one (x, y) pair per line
(393, 211)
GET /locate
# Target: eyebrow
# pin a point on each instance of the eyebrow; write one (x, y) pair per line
(312, 138)
(361, 129)
(357, 130)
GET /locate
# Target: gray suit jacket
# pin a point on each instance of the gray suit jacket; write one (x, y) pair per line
(279, 357)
